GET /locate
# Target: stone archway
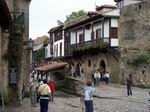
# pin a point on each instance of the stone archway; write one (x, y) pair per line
(102, 66)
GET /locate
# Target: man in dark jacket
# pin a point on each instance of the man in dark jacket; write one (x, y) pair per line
(129, 84)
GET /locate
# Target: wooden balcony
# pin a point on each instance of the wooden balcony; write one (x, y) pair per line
(93, 45)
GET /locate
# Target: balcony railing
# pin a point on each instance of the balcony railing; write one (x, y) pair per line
(96, 43)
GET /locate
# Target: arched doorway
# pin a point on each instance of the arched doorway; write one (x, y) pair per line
(102, 67)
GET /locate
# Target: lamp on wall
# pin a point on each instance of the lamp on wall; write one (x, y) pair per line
(28, 44)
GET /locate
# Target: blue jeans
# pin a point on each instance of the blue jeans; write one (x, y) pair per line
(97, 81)
(44, 105)
(89, 105)
(129, 91)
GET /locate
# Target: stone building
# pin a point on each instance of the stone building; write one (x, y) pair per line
(12, 79)
(89, 43)
(134, 42)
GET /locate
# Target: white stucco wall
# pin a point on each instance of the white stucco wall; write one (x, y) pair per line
(48, 51)
(79, 31)
(114, 22)
(88, 34)
(114, 42)
(115, 12)
(73, 37)
(58, 43)
(106, 28)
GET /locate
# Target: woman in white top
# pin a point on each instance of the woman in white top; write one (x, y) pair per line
(106, 77)
(97, 77)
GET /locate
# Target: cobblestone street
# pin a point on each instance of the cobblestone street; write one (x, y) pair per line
(110, 98)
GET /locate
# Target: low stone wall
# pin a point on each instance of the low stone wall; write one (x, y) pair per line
(72, 85)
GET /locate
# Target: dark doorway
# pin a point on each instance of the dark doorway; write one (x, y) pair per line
(102, 66)
(102, 69)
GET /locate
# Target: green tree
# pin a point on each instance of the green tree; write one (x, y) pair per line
(39, 56)
(59, 22)
(75, 15)
(72, 16)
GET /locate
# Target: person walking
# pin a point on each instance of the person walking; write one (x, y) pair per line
(88, 93)
(44, 91)
(106, 77)
(33, 92)
(40, 82)
(129, 81)
(97, 77)
(52, 87)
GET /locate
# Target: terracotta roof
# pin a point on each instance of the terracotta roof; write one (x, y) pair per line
(51, 67)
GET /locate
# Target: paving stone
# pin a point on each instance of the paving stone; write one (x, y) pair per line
(113, 99)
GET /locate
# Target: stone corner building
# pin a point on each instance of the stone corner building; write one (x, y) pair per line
(14, 12)
(134, 39)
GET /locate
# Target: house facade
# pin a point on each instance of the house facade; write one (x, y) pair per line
(89, 43)
(56, 46)
(40, 50)
(92, 42)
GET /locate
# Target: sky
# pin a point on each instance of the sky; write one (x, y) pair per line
(45, 13)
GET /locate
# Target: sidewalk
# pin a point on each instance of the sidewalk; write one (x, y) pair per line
(116, 91)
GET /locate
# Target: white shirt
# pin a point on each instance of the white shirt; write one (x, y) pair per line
(107, 75)
(97, 75)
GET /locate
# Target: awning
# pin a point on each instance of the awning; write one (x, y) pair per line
(51, 67)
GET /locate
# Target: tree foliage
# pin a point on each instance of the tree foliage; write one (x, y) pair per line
(59, 22)
(72, 16)
(139, 59)
(75, 15)
(39, 56)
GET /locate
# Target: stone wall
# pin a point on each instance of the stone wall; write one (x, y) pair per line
(73, 86)
(3, 63)
(110, 58)
(134, 40)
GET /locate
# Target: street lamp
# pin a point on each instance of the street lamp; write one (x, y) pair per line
(30, 44)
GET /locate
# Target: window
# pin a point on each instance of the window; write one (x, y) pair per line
(81, 38)
(60, 49)
(57, 51)
(98, 33)
(114, 32)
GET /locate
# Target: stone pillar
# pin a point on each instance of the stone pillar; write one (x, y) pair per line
(15, 91)
(27, 60)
